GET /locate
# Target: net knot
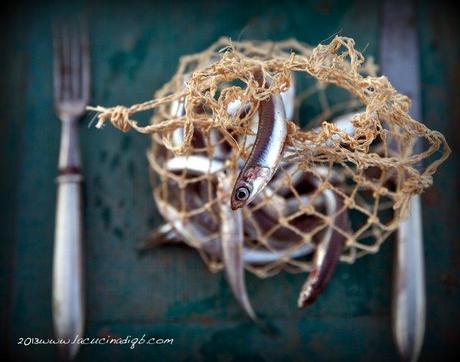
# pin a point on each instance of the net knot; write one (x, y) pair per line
(417, 185)
(118, 115)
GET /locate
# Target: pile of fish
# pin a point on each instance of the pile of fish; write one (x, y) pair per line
(228, 207)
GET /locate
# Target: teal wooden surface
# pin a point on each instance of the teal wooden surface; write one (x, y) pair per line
(169, 293)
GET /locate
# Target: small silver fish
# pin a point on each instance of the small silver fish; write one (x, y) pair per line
(279, 241)
(194, 163)
(232, 238)
(221, 148)
(329, 250)
(200, 164)
(190, 232)
(178, 110)
(289, 99)
(167, 234)
(327, 253)
(343, 122)
(265, 154)
(283, 239)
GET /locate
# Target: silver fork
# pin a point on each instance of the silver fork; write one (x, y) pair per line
(71, 94)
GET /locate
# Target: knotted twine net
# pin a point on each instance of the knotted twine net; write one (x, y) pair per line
(374, 170)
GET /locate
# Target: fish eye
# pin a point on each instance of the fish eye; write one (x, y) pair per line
(242, 193)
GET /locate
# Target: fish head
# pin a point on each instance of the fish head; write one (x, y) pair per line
(248, 185)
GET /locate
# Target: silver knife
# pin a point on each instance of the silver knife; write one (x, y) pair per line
(399, 61)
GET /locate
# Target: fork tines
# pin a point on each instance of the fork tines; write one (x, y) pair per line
(71, 65)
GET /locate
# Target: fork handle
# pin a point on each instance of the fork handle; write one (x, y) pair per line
(68, 291)
(69, 152)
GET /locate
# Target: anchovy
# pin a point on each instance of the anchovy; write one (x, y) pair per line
(329, 250)
(287, 96)
(190, 231)
(266, 152)
(250, 256)
(289, 100)
(200, 164)
(178, 110)
(194, 163)
(327, 253)
(221, 148)
(343, 122)
(235, 108)
(282, 237)
(202, 226)
(162, 235)
(232, 239)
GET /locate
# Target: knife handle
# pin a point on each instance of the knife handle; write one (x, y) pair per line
(409, 285)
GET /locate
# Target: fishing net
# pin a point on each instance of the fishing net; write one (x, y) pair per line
(366, 158)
